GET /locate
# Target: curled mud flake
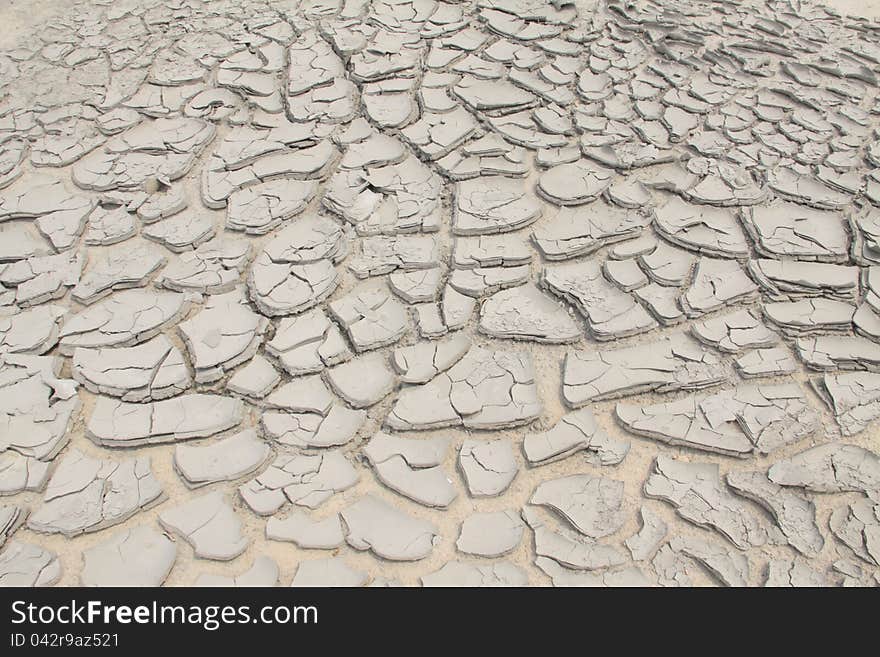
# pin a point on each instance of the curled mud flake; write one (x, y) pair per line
(794, 573)
(484, 390)
(773, 361)
(115, 423)
(839, 352)
(150, 371)
(643, 544)
(490, 534)
(331, 572)
(412, 468)
(630, 576)
(527, 313)
(262, 573)
(830, 468)
(810, 316)
(675, 363)
(209, 524)
(212, 268)
(488, 467)
(735, 422)
(853, 397)
(363, 381)
(306, 480)
(574, 184)
(592, 505)
(857, 526)
(573, 232)
(573, 433)
(784, 229)
(37, 409)
(25, 564)
(373, 524)
(735, 332)
(567, 548)
(471, 574)
(371, 316)
(140, 556)
(308, 343)
(795, 515)
(222, 336)
(86, 494)
(729, 566)
(132, 266)
(493, 204)
(716, 284)
(704, 229)
(382, 255)
(610, 312)
(225, 460)
(306, 532)
(21, 473)
(699, 496)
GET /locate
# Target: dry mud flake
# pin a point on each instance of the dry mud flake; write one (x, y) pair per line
(225, 460)
(21, 473)
(123, 319)
(373, 524)
(86, 494)
(37, 409)
(610, 313)
(423, 361)
(573, 231)
(140, 556)
(493, 204)
(120, 424)
(371, 316)
(484, 390)
(363, 381)
(728, 565)
(477, 574)
(569, 549)
(489, 467)
(25, 564)
(751, 418)
(150, 371)
(794, 513)
(263, 572)
(526, 313)
(412, 468)
(592, 505)
(676, 363)
(306, 532)
(223, 335)
(306, 480)
(332, 572)
(643, 544)
(700, 496)
(858, 527)
(335, 426)
(490, 534)
(794, 572)
(209, 524)
(575, 432)
(830, 468)
(853, 398)
(308, 343)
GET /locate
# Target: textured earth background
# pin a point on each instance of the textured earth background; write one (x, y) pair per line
(496, 292)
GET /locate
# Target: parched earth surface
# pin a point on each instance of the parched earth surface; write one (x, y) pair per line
(494, 292)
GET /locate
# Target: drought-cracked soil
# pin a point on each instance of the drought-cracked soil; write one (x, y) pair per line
(401, 292)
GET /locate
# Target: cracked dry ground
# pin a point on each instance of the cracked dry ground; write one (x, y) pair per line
(495, 292)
